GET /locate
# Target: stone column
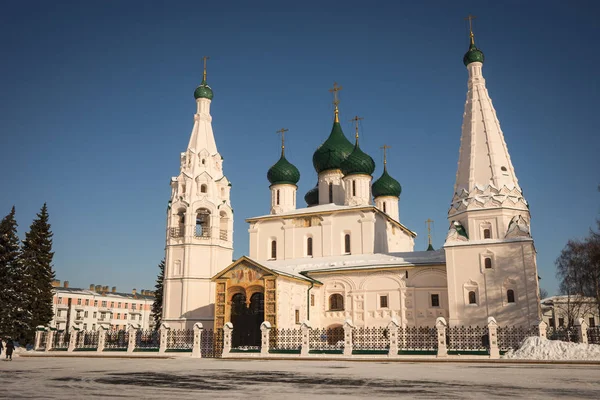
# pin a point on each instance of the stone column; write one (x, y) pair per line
(50, 338)
(348, 327)
(131, 339)
(38, 337)
(227, 329)
(493, 337)
(73, 339)
(265, 330)
(393, 337)
(581, 326)
(440, 326)
(305, 347)
(542, 326)
(164, 330)
(197, 349)
(101, 338)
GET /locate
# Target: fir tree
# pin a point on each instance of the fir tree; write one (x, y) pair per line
(157, 308)
(36, 257)
(10, 293)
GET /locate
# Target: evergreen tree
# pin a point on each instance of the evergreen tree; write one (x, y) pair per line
(10, 293)
(157, 308)
(36, 257)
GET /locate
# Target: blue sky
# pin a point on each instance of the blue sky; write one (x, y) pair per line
(97, 103)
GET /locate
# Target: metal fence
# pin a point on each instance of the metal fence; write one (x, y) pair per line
(511, 337)
(116, 340)
(180, 339)
(330, 340)
(211, 343)
(60, 340)
(593, 335)
(43, 340)
(86, 340)
(417, 338)
(467, 338)
(147, 340)
(370, 339)
(562, 333)
(285, 340)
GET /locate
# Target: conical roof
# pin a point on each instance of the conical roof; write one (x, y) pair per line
(386, 185)
(358, 162)
(312, 196)
(333, 151)
(283, 172)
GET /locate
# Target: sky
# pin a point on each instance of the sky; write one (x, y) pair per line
(97, 104)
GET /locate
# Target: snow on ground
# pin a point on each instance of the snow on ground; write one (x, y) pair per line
(537, 348)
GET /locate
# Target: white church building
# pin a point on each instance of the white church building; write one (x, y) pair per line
(347, 255)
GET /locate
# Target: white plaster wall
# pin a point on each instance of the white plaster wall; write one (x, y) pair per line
(291, 296)
(287, 198)
(391, 206)
(335, 177)
(361, 196)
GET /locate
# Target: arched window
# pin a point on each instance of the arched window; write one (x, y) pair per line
(331, 192)
(472, 298)
(488, 262)
(181, 216)
(274, 249)
(277, 197)
(353, 188)
(487, 233)
(203, 161)
(183, 188)
(347, 243)
(202, 223)
(309, 247)
(223, 225)
(336, 302)
(384, 207)
(510, 296)
(203, 188)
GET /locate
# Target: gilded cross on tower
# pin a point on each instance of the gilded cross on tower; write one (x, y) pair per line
(471, 18)
(336, 101)
(282, 131)
(204, 74)
(356, 119)
(429, 222)
(385, 147)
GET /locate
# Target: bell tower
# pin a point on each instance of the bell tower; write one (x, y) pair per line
(199, 239)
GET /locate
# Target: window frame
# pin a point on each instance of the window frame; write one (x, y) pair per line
(473, 300)
(339, 297)
(380, 297)
(273, 250)
(347, 243)
(437, 296)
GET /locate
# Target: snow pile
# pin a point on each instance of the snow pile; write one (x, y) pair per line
(537, 348)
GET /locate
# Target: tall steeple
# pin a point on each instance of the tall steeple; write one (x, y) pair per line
(485, 173)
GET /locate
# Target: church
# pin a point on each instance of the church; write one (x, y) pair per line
(346, 255)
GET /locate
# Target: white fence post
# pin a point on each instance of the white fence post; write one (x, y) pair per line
(493, 337)
(393, 337)
(101, 338)
(265, 330)
(348, 345)
(50, 338)
(131, 338)
(164, 330)
(542, 327)
(305, 347)
(196, 349)
(73, 339)
(581, 327)
(227, 329)
(440, 326)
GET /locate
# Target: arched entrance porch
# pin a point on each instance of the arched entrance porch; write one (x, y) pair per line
(246, 316)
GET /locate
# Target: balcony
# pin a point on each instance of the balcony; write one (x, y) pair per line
(78, 318)
(223, 234)
(201, 232)
(62, 306)
(135, 311)
(176, 232)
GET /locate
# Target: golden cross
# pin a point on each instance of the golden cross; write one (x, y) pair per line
(282, 131)
(385, 147)
(336, 101)
(356, 119)
(204, 75)
(428, 222)
(471, 18)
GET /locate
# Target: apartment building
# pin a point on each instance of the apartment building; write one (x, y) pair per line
(89, 309)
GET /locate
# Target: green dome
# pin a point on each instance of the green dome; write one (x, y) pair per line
(386, 186)
(312, 196)
(283, 172)
(473, 55)
(203, 91)
(358, 162)
(333, 151)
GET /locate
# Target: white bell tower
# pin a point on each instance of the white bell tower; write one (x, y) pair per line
(199, 240)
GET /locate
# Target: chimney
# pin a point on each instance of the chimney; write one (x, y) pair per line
(98, 288)
(92, 287)
(134, 291)
(66, 284)
(114, 289)
(56, 283)
(105, 289)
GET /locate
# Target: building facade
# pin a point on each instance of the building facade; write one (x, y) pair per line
(347, 255)
(89, 309)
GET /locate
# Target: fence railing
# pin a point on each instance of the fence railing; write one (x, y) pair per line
(285, 340)
(593, 334)
(373, 340)
(326, 340)
(60, 340)
(87, 340)
(180, 340)
(417, 339)
(461, 339)
(511, 337)
(147, 340)
(116, 341)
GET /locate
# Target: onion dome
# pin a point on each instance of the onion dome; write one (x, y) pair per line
(312, 196)
(283, 172)
(358, 162)
(333, 151)
(203, 91)
(473, 54)
(386, 185)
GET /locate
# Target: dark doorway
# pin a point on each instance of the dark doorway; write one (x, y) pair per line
(247, 320)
